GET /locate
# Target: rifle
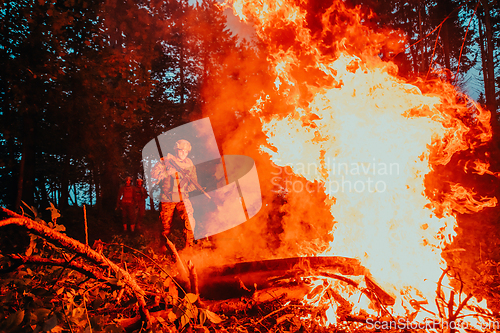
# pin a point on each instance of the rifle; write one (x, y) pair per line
(186, 176)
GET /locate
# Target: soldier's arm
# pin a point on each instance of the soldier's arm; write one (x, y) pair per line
(161, 170)
(168, 167)
(194, 176)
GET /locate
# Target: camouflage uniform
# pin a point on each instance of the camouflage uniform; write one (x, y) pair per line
(140, 195)
(175, 195)
(126, 203)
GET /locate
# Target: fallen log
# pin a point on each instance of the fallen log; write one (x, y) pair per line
(223, 282)
(244, 279)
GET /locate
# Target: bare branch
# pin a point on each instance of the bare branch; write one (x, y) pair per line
(79, 267)
(193, 278)
(184, 276)
(77, 247)
(461, 306)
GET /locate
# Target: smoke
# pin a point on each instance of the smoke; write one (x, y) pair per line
(287, 224)
(295, 218)
(241, 29)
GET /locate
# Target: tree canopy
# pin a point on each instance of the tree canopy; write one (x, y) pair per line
(86, 83)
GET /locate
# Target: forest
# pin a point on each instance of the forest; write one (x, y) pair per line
(86, 84)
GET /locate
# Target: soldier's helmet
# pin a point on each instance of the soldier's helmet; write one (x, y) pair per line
(183, 144)
(139, 180)
(128, 178)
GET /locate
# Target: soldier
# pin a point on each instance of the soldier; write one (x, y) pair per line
(140, 195)
(125, 202)
(175, 188)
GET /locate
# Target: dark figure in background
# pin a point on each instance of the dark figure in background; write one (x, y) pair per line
(126, 203)
(175, 187)
(140, 195)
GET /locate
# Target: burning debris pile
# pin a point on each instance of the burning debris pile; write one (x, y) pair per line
(346, 124)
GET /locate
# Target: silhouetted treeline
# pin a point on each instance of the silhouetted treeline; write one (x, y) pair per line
(85, 84)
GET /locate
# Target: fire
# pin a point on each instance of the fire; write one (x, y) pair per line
(369, 137)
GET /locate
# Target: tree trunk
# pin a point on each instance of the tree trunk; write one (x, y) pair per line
(484, 63)
(43, 192)
(182, 56)
(75, 201)
(414, 59)
(491, 102)
(446, 49)
(26, 181)
(63, 202)
(11, 163)
(442, 9)
(20, 181)
(110, 186)
(152, 204)
(181, 71)
(421, 66)
(91, 187)
(97, 186)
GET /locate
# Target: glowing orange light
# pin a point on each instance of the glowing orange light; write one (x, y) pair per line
(371, 138)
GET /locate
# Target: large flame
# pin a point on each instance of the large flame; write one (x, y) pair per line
(369, 136)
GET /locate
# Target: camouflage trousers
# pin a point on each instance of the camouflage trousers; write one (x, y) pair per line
(128, 213)
(185, 211)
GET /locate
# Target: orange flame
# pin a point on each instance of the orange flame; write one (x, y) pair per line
(369, 136)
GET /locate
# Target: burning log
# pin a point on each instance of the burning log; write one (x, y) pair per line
(254, 282)
(384, 297)
(224, 281)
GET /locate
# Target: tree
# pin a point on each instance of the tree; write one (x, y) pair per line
(435, 32)
(36, 36)
(122, 84)
(215, 42)
(77, 79)
(488, 19)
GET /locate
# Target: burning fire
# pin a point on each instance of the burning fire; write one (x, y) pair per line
(369, 137)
